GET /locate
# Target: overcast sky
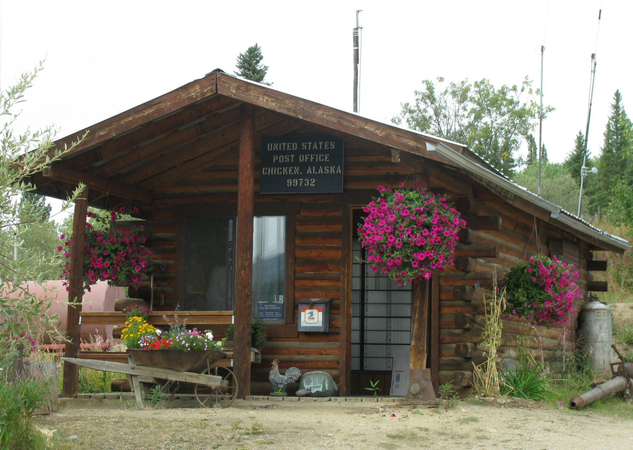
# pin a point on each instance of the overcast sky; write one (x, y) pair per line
(105, 57)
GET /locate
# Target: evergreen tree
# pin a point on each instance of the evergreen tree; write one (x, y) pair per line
(532, 156)
(612, 165)
(249, 65)
(574, 159)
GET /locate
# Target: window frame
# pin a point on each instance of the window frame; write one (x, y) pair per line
(275, 208)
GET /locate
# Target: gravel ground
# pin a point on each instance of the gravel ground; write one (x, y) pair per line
(267, 424)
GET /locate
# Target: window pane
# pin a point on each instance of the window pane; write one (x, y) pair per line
(209, 272)
(269, 268)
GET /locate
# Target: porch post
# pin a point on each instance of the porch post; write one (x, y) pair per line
(75, 294)
(244, 258)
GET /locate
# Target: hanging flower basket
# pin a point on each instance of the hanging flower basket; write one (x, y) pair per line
(543, 291)
(113, 255)
(409, 233)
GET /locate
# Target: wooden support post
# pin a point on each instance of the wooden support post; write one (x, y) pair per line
(435, 332)
(244, 258)
(75, 295)
(346, 303)
(419, 325)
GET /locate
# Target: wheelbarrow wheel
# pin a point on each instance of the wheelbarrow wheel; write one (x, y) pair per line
(222, 395)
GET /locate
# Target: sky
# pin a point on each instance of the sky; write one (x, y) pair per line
(102, 58)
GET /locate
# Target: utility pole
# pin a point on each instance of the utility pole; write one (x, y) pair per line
(356, 36)
(540, 127)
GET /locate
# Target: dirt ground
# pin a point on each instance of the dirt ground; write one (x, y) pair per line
(328, 425)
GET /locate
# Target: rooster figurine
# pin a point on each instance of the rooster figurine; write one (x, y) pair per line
(280, 381)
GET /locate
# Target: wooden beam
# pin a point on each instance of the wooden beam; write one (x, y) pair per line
(477, 250)
(487, 223)
(244, 259)
(435, 331)
(75, 295)
(58, 172)
(597, 286)
(331, 118)
(346, 303)
(597, 266)
(154, 109)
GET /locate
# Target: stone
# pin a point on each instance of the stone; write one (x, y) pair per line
(318, 384)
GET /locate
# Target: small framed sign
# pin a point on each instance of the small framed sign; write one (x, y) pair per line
(301, 164)
(314, 315)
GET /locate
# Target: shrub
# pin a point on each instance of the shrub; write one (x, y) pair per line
(18, 401)
(527, 381)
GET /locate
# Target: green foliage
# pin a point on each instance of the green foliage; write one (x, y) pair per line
(18, 400)
(258, 333)
(557, 185)
(575, 158)
(448, 394)
(249, 65)
(155, 395)
(527, 381)
(374, 387)
(614, 165)
(491, 121)
(22, 315)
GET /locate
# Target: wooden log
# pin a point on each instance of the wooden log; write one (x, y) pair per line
(75, 294)
(457, 377)
(482, 222)
(468, 264)
(460, 364)
(597, 286)
(462, 349)
(419, 325)
(455, 321)
(460, 336)
(462, 307)
(477, 250)
(597, 266)
(244, 260)
(470, 293)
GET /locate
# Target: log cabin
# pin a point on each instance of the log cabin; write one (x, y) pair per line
(251, 199)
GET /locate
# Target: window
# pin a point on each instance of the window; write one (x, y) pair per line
(209, 265)
(269, 268)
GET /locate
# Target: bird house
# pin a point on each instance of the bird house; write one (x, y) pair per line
(314, 315)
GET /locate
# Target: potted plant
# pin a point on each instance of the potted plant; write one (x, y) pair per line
(409, 233)
(177, 348)
(113, 255)
(258, 333)
(543, 291)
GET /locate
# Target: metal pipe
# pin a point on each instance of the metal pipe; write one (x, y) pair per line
(612, 386)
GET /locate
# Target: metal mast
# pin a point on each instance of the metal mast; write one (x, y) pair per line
(356, 35)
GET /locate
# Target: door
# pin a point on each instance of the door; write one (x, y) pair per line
(381, 324)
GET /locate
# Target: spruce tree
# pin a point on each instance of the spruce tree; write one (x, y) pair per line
(249, 65)
(612, 165)
(575, 157)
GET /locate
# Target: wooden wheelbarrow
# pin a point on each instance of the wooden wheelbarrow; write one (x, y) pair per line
(213, 385)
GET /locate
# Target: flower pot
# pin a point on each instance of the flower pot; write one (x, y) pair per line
(192, 361)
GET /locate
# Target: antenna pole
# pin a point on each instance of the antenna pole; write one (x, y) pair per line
(356, 37)
(540, 127)
(584, 152)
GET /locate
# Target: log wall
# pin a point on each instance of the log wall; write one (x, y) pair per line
(498, 237)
